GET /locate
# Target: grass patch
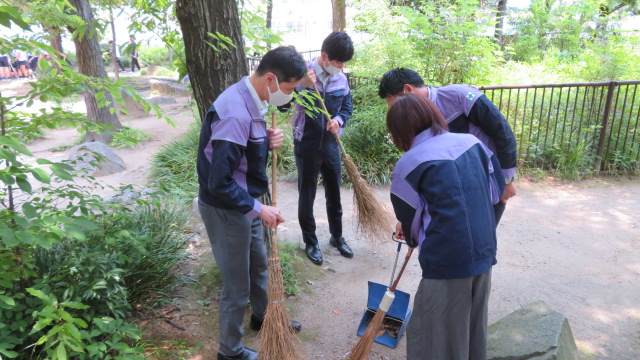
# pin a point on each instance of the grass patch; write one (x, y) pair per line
(173, 168)
(128, 138)
(291, 268)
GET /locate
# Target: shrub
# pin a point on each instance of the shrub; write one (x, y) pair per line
(366, 137)
(128, 138)
(156, 55)
(173, 168)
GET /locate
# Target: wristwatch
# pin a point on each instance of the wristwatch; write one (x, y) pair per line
(509, 180)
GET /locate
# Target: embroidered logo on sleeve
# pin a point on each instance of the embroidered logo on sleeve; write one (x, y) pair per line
(470, 96)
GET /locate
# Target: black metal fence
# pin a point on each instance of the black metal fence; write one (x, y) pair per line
(578, 125)
(566, 124)
(253, 61)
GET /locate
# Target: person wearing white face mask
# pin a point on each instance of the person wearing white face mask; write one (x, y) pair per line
(232, 157)
(316, 148)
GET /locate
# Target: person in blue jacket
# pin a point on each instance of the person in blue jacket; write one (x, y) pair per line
(442, 191)
(232, 158)
(316, 148)
(466, 110)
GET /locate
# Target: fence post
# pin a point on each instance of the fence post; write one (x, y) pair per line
(605, 120)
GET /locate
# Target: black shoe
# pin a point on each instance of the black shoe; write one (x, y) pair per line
(246, 354)
(314, 254)
(342, 246)
(256, 324)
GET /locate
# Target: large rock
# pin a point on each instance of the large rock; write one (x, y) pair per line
(169, 87)
(161, 100)
(534, 332)
(96, 158)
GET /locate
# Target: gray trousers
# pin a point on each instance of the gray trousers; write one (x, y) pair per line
(449, 319)
(240, 254)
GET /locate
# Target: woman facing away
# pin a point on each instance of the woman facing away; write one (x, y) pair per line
(443, 190)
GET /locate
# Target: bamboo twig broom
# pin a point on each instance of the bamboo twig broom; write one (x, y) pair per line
(362, 349)
(373, 218)
(277, 339)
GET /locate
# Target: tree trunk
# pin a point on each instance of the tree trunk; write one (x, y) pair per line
(90, 63)
(269, 13)
(500, 15)
(114, 60)
(55, 39)
(339, 11)
(211, 71)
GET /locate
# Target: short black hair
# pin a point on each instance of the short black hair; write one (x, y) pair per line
(338, 46)
(285, 62)
(393, 81)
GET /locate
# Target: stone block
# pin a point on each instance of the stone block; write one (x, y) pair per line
(535, 332)
(96, 158)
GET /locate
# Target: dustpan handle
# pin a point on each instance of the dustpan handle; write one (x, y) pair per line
(406, 261)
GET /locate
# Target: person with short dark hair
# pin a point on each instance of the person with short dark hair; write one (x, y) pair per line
(442, 191)
(466, 110)
(134, 54)
(117, 52)
(231, 166)
(316, 148)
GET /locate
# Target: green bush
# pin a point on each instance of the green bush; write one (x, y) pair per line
(173, 168)
(366, 138)
(81, 265)
(157, 55)
(128, 138)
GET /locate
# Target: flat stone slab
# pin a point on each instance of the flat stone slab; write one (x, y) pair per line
(96, 158)
(535, 332)
(169, 87)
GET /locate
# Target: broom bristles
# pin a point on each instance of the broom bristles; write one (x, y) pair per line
(362, 349)
(277, 340)
(374, 220)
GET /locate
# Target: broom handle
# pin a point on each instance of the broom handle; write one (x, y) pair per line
(406, 261)
(274, 193)
(326, 113)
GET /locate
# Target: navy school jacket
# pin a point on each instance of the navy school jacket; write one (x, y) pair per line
(443, 190)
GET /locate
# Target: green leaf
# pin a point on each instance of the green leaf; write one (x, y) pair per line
(41, 175)
(14, 144)
(29, 210)
(74, 305)
(23, 183)
(62, 170)
(41, 324)
(38, 293)
(7, 300)
(61, 353)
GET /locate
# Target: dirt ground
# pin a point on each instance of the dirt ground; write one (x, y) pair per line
(574, 245)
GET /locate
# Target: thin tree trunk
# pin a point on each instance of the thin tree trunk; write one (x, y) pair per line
(500, 15)
(211, 71)
(339, 11)
(114, 60)
(90, 63)
(269, 13)
(55, 38)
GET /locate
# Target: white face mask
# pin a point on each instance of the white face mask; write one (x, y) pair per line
(330, 69)
(279, 98)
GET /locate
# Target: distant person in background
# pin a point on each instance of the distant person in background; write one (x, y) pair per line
(5, 70)
(134, 54)
(21, 59)
(111, 47)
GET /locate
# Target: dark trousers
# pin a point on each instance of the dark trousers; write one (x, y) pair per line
(134, 63)
(311, 161)
(120, 64)
(498, 210)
